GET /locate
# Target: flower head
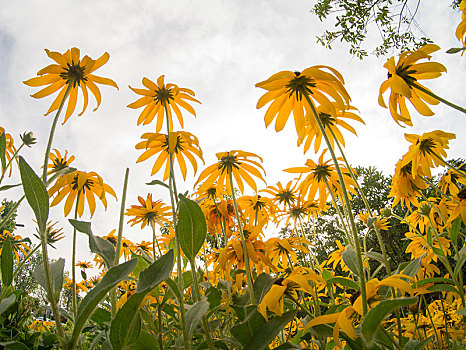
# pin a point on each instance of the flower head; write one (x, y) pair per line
(84, 265)
(286, 89)
(403, 80)
(285, 196)
(180, 144)
(149, 212)
(59, 162)
(83, 186)
(239, 164)
(70, 73)
(461, 29)
(155, 97)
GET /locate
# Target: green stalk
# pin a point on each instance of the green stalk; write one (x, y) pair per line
(20, 265)
(11, 211)
(113, 297)
(347, 205)
(430, 93)
(155, 241)
(179, 269)
(74, 299)
(243, 241)
(442, 161)
(9, 162)
(52, 132)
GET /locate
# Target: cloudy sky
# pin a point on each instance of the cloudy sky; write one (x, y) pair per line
(220, 49)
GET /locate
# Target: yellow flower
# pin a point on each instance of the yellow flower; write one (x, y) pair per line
(426, 151)
(286, 90)
(382, 223)
(181, 144)
(82, 185)
(158, 96)
(419, 246)
(282, 195)
(59, 162)
(18, 244)
(73, 73)
(257, 208)
(403, 80)
(282, 250)
(330, 122)
(459, 209)
(322, 178)
(149, 212)
(84, 264)
(220, 214)
(405, 188)
(300, 210)
(335, 257)
(450, 182)
(461, 29)
(297, 280)
(238, 164)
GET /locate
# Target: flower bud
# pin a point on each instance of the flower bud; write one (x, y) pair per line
(386, 212)
(28, 138)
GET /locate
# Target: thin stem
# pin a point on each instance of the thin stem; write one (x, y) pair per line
(179, 269)
(9, 162)
(430, 93)
(52, 132)
(243, 241)
(347, 205)
(113, 298)
(74, 300)
(11, 211)
(20, 265)
(155, 241)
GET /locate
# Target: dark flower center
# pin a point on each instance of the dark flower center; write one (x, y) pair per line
(87, 185)
(228, 162)
(163, 95)
(299, 86)
(74, 74)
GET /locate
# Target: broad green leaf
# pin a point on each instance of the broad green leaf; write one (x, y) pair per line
(350, 259)
(455, 50)
(36, 193)
(3, 151)
(462, 311)
(157, 182)
(268, 331)
(191, 227)
(376, 315)
(214, 296)
(459, 264)
(146, 341)
(443, 288)
(141, 265)
(345, 282)
(57, 272)
(7, 262)
(114, 275)
(7, 302)
(101, 316)
(262, 285)
(125, 324)
(13, 345)
(97, 245)
(287, 346)
(245, 331)
(376, 256)
(194, 316)
(434, 280)
(413, 267)
(417, 344)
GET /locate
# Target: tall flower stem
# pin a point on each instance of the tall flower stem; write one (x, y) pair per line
(21, 264)
(74, 299)
(347, 205)
(174, 201)
(113, 298)
(155, 241)
(437, 97)
(366, 204)
(243, 240)
(340, 215)
(52, 132)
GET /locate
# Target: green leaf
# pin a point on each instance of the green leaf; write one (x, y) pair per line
(114, 275)
(36, 193)
(214, 296)
(97, 245)
(56, 269)
(344, 282)
(7, 187)
(3, 151)
(287, 346)
(124, 329)
(157, 182)
(454, 231)
(350, 259)
(462, 311)
(267, 332)
(191, 227)
(146, 341)
(7, 302)
(13, 345)
(459, 264)
(375, 316)
(141, 265)
(413, 267)
(376, 256)
(262, 285)
(417, 344)
(434, 280)
(245, 331)
(7, 262)
(194, 315)
(443, 288)
(455, 50)
(101, 316)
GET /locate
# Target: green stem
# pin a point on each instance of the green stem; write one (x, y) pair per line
(11, 211)
(20, 265)
(430, 93)
(74, 299)
(52, 132)
(243, 241)
(155, 241)
(179, 269)
(113, 296)
(337, 208)
(347, 205)
(9, 162)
